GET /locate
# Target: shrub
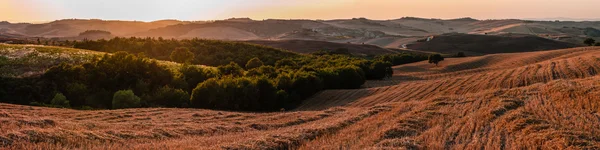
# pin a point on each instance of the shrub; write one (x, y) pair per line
(253, 63)
(170, 97)
(60, 100)
(125, 99)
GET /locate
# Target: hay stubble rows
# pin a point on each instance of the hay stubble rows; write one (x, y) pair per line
(546, 99)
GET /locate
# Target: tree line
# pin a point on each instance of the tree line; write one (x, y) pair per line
(133, 79)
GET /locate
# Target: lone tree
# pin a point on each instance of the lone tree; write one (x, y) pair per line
(253, 63)
(589, 41)
(435, 59)
(182, 55)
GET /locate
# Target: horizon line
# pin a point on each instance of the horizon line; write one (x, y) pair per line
(431, 18)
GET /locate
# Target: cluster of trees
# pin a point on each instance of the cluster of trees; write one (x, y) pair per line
(213, 52)
(124, 80)
(591, 42)
(402, 58)
(240, 80)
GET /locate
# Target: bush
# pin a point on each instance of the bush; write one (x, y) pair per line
(170, 97)
(60, 100)
(250, 94)
(253, 63)
(125, 99)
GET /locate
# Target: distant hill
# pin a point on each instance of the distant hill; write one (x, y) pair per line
(72, 27)
(307, 46)
(384, 33)
(487, 44)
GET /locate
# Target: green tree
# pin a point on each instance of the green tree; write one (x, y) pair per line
(60, 100)
(597, 44)
(232, 69)
(253, 63)
(435, 59)
(193, 75)
(182, 55)
(589, 41)
(125, 99)
(170, 97)
(380, 69)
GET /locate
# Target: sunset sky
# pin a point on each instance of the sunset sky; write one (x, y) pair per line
(149, 10)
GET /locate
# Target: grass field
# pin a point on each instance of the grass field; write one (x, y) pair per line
(531, 100)
(33, 60)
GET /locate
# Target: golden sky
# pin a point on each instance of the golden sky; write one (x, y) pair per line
(149, 10)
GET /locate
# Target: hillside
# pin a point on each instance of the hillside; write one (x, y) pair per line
(384, 33)
(473, 44)
(530, 100)
(72, 27)
(33, 60)
(307, 47)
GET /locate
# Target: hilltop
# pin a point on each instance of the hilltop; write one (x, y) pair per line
(384, 33)
(526, 100)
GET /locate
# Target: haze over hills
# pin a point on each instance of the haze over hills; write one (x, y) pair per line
(384, 33)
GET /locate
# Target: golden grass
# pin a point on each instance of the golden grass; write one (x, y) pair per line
(536, 100)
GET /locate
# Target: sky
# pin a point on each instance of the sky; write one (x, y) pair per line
(151, 10)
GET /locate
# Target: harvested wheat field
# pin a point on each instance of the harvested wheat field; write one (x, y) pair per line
(531, 100)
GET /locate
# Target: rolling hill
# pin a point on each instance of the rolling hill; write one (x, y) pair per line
(527, 100)
(307, 46)
(384, 33)
(473, 44)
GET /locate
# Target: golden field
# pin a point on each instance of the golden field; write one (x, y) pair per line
(531, 100)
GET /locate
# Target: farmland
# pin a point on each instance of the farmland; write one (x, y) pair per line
(528, 100)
